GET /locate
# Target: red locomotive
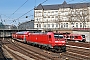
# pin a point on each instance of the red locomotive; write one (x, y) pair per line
(49, 40)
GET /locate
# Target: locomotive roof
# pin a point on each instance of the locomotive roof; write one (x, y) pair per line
(63, 33)
(23, 32)
(39, 33)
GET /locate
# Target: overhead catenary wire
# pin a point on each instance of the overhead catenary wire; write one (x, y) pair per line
(33, 9)
(21, 6)
(18, 9)
(30, 10)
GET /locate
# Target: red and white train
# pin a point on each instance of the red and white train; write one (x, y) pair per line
(74, 37)
(49, 40)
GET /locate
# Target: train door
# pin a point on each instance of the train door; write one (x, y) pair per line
(71, 37)
(49, 39)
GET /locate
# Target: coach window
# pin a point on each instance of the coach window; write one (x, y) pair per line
(71, 36)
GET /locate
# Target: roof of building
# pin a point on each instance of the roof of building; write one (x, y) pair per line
(26, 22)
(63, 5)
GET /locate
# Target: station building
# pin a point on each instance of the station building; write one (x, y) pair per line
(62, 16)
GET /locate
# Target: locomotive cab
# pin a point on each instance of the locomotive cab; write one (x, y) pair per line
(84, 38)
(60, 43)
(59, 39)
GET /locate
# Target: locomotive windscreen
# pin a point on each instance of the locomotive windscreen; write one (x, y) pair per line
(58, 36)
(83, 36)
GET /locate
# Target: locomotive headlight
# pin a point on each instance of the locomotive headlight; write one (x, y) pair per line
(63, 41)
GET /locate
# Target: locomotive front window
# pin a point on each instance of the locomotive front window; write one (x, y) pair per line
(58, 36)
(83, 36)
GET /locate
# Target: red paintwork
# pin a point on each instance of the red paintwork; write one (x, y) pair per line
(13, 35)
(75, 37)
(45, 38)
(20, 35)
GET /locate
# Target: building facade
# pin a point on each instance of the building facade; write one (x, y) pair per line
(62, 16)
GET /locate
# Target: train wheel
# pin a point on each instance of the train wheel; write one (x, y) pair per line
(40, 46)
(53, 50)
(47, 48)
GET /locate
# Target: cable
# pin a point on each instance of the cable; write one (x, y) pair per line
(18, 8)
(24, 14)
(29, 11)
(70, 1)
(82, 0)
(44, 1)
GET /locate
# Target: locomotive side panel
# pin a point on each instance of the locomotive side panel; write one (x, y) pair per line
(38, 38)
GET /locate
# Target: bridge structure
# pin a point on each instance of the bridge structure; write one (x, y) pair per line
(8, 32)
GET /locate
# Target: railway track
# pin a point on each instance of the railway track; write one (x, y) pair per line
(34, 53)
(43, 54)
(78, 50)
(80, 54)
(2, 55)
(76, 54)
(80, 44)
(14, 56)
